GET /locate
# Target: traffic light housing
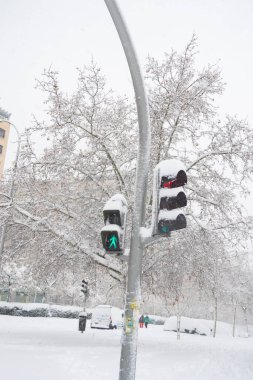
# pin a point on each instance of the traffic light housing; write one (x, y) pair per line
(113, 233)
(84, 287)
(169, 197)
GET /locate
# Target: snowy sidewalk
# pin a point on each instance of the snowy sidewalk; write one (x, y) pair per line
(50, 348)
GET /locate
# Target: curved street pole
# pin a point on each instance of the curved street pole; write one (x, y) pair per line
(14, 170)
(133, 295)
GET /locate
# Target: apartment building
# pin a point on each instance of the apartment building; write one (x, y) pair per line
(4, 135)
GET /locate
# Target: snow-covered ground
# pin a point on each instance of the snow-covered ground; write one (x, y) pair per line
(52, 348)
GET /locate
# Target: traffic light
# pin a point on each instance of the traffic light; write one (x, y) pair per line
(169, 196)
(84, 288)
(113, 233)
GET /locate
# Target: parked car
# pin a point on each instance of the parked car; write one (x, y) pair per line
(106, 317)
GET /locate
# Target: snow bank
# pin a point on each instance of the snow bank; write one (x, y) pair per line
(188, 325)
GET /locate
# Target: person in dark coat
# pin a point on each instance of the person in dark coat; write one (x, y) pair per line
(146, 320)
(141, 321)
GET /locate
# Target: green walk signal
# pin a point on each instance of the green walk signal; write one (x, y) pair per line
(111, 238)
(113, 242)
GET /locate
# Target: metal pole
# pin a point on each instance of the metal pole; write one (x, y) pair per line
(133, 295)
(14, 171)
(84, 302)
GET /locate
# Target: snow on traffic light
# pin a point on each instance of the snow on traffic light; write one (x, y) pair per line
(113, 233)
(169, 197)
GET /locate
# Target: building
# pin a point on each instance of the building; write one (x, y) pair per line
(4, 135)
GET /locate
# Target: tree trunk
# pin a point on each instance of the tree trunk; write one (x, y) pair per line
(234, 318)
(215, 316)
(44, 297)
(9, 291)
(246, 321)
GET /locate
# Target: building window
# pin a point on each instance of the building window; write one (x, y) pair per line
(2, 132)
(1, 149)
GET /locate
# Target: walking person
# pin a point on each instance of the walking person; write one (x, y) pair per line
(146, 320)
(141, 321)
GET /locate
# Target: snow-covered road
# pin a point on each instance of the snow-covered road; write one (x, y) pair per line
(50, 348)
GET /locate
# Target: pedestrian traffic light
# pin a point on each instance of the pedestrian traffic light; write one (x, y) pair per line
(169, 196)
(111, 238)
(84, 288)
(113, 233)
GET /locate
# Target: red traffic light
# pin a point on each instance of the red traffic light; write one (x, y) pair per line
(170, 182)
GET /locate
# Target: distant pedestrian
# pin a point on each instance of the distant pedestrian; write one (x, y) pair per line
(141, 321)
(146, 320)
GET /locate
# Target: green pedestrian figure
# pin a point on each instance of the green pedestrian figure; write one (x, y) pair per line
(113, 242)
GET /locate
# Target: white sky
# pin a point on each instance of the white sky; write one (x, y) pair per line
(66, 34)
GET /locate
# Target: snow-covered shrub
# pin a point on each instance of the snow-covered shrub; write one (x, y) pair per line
(40, 310)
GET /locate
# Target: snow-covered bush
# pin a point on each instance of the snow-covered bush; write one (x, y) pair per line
(40, 310)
